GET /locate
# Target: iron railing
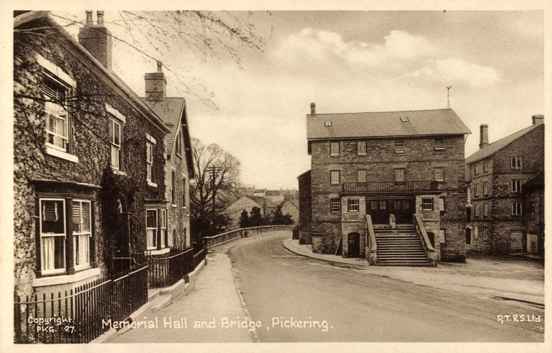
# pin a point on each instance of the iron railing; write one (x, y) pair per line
(81, 314)
(166, 270)
(234, 234)
(392, 186)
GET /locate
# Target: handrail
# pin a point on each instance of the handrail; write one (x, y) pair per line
(421, 231)
(217, 239)
(372, 244)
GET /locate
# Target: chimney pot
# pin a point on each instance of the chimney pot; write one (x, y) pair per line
(100, 15)
(313, 108)
(159, 66)
(538, 119)
(483, 135)
(97, 39)
(89, 20)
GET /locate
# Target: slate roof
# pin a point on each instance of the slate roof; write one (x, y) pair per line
(171, 110)
(496, 146)
(385, 124)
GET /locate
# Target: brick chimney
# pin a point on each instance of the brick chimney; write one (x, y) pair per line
(313, 108)
(156, 84)
(96, 38)
(483, 135)
(538, 119)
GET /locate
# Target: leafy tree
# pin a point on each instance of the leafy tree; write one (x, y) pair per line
(244, 219)
(256, 219)
(280, 218)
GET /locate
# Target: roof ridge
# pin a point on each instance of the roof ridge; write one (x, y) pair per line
(521, 133)
(383, 111)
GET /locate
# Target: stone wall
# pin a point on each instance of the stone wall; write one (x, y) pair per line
(89, 142)
(500, 221)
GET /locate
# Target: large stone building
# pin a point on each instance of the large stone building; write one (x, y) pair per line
(372, 172)
(500, 223)
(89, 159)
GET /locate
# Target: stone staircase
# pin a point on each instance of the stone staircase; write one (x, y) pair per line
(400, 246)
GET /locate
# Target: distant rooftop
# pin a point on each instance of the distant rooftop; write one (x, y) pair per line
(385, 124)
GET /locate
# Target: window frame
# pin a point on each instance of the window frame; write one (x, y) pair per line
(426, 200)
(178, 144)
(397, 172)
(516, 186)
(516, 162)
(113, 123)
(74, 234)
(163, 228)
(155, 229)
(353, 205)
(362, 151)
(335, 205)
(338, 173)
(150, 160)
(517, 208)
(332, 152)
(361, 172)
(485, 188)
(44, 271)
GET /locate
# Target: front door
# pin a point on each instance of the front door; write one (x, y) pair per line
(353, 245)
(380, 209)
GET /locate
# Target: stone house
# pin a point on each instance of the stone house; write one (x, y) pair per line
(175, 205)
(88, 153)
(371, 173)
(497, 174)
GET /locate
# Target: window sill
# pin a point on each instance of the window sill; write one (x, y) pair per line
(53, 280)
(119, 172)
(158, 251)
(152, 184)
(60, 154)
(173, 205)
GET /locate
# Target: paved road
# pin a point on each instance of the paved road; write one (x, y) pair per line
(359, 306)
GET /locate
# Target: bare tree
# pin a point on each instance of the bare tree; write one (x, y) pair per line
(217, 176)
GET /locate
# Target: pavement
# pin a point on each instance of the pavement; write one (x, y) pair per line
(514, 279)
(211, 311)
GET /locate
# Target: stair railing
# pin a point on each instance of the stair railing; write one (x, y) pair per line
(422, 233)
(372, 245)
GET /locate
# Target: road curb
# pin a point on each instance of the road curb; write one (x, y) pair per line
(314, 257)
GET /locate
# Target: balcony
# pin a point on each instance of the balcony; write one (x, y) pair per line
(392, 186)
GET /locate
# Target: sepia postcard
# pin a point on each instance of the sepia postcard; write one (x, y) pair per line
(337, 178)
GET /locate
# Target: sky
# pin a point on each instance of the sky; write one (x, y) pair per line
(345, 62)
